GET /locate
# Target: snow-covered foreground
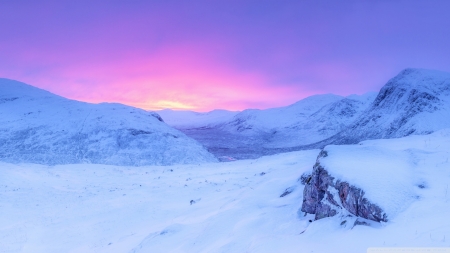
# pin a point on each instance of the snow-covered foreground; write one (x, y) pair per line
(216, 207)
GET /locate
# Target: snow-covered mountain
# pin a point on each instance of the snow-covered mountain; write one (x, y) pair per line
(252, 133)
(323, 123)
(37, 126)
(416, 101)
(191, 119)
(252, 121)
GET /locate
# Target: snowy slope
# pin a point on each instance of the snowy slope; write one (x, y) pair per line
(191, 119)
(39, 127)
(416, 101)
(253, 121)
(325, 122)
(237, 206)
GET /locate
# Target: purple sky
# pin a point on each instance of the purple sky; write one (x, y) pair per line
(233, 55)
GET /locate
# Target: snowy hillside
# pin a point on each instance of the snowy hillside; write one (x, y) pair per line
(254, 121)
(253, 133)
(191, 119)
(325, 122)
(416, 101)
(241, 206)
(39, 127)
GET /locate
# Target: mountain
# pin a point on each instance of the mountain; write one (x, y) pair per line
(253, 133)
(416, 101)
(254, 121)
(37, 126)
(191, 119)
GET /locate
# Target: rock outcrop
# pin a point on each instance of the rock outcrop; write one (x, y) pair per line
(325, 197)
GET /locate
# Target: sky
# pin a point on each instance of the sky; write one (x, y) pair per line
(221, 54)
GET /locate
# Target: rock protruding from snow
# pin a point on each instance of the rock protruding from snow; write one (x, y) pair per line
(325, 197)
(37, 126)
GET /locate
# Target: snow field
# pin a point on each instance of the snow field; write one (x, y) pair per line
(237, 208)
(99, 208)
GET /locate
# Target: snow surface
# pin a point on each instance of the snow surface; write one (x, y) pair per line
(237, 208)
(379, 171)
(40, 127)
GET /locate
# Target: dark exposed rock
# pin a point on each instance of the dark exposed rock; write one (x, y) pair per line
(305, 178)
(358, 222)
(288, 191)
(325, 197)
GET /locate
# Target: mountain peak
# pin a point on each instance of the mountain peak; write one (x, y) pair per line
(415, 77)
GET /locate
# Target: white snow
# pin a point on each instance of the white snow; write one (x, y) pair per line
(379, 171)
(100, 208)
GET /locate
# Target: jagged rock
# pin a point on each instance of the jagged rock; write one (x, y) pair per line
(325, 197)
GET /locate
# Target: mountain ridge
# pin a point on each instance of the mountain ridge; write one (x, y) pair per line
(416, 101)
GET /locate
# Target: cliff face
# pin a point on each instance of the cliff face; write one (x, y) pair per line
(325, 197)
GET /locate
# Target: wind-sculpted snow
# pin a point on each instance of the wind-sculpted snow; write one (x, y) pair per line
(39, 127)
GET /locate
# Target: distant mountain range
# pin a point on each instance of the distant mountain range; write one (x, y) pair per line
(416, 101)
(37, 126)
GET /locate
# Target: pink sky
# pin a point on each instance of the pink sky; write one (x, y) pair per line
(206, 55)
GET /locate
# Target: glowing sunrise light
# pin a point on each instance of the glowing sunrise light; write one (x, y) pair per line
(163, 104)
(206, 55)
